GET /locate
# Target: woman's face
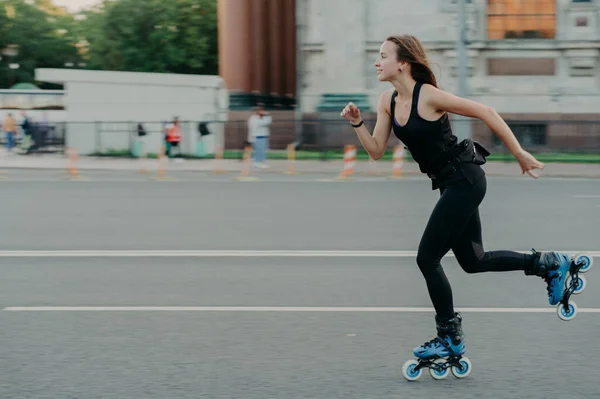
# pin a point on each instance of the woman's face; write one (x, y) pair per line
(387, 65)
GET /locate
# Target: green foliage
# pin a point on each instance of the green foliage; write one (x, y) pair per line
(42, 39)
(175, 36)
(3, 43)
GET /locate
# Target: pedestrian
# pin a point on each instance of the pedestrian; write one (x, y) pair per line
(173, 137)
(9, 126)
(258, 135)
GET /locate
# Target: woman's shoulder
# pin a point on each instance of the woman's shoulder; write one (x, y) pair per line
(385, 99)
(387, 94)
(430, 92)
(428, 88)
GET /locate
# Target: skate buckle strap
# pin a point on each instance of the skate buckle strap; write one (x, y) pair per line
(445, 345)
(432, 342)
(442, 342)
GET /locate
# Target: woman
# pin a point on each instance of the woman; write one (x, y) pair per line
(417, 111)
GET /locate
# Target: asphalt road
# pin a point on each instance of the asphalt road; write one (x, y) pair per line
(66, 352)
(124, 211)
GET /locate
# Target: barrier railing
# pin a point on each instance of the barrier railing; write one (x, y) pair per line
(320, 137)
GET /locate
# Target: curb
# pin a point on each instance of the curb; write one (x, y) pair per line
(281, 167)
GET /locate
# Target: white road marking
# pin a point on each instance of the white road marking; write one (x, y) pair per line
(586, 196)
(201, 253)
(276, 309)
(225, 253)
(203, 176)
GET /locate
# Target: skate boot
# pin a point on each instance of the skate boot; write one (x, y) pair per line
(442, 354)
(449, 340)
(562, 274)
(553, 267)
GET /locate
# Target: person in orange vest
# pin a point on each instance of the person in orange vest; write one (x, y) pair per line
(172, 136)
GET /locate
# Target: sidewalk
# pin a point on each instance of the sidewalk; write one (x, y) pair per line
(333, 167)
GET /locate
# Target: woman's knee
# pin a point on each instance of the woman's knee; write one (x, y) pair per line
(471, 264)
(426, 262)
(470, 257)
(470, 268)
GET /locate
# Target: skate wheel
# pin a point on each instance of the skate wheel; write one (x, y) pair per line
(567, 314)
(442, 372)
(408, 370)
(464, 370)
(587, 261)
(581, 283)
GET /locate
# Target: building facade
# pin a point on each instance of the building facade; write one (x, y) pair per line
(532, 60)
(524, 56)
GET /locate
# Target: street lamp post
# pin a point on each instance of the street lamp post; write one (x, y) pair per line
(299, 70)
(464, 124)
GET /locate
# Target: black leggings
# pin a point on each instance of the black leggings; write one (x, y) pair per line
(455, 224)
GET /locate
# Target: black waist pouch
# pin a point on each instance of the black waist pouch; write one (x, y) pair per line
(473, 152)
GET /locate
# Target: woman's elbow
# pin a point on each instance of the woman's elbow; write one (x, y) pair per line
(489, 113)
(377, 155)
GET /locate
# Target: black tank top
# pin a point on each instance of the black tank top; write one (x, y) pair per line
(431, 143)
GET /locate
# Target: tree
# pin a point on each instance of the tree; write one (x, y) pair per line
(48, 42)
(178, 36)
(3, 27)
(197, 21)
(95, 46)
(4, 70)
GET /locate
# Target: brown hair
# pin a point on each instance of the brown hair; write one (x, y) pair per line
(410, 49)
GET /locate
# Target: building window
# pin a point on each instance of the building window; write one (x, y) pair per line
(521, 19)
(521, 67)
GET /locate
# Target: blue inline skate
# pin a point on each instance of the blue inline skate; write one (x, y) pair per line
(561, 273)
(442, 354)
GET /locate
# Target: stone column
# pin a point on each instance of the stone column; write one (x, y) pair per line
(276, 56)
(234, 44)
(289, 47)
(259, 38)
(257, 49)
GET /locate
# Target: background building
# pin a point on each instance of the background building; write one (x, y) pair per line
(532, 60)
(257, 51)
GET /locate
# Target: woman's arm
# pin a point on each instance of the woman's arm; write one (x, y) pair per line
(441, 100)
(375, 145)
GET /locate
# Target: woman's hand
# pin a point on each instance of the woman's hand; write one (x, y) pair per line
(528, 163)
(351, 113)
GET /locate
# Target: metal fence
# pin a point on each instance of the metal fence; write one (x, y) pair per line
(332, 134)
(43, 138)
(318, 132)
(545, 136)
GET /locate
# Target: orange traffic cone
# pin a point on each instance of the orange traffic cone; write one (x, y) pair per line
(161, 172)
(398, 162)
(246, 164)
(218, 164)
(72, 158)
(291, 153)
(349, 161)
